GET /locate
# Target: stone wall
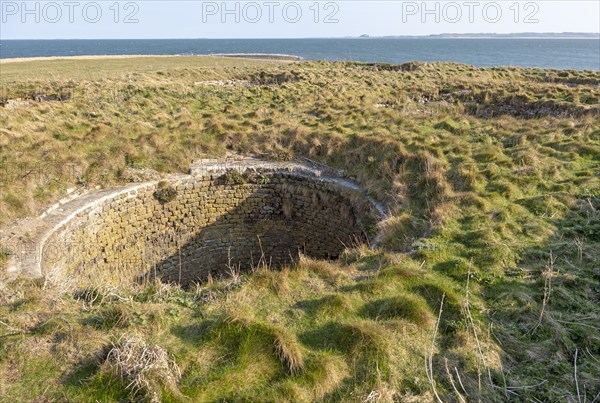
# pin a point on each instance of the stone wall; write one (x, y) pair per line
(213, 224)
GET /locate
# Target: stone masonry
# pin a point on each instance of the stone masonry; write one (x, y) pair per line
(228, 214)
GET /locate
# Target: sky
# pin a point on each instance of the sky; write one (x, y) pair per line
(111, 19)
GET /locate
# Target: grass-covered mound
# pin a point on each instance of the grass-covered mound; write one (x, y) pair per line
(485, 286)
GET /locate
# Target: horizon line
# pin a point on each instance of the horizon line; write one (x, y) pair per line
(465, 35)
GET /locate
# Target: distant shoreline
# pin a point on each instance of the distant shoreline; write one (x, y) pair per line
(479, 52)
(515, 35)
(496, 37)
(483, 35)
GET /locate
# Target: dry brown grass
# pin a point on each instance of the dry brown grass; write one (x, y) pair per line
(146, 368)
(288, 349)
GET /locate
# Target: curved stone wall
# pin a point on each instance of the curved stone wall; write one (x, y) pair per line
(222, 218)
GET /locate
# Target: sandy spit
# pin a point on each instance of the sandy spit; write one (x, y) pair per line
(99, 57)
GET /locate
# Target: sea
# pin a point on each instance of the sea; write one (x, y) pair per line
(578, 54)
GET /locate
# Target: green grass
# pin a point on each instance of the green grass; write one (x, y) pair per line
(487, 173)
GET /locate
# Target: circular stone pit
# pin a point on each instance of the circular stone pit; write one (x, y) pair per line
(228, 214)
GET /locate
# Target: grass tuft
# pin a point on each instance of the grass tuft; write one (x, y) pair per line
(288, 349)
(408, 307)
(146, 368)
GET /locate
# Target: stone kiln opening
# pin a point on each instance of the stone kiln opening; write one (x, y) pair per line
(225, 214)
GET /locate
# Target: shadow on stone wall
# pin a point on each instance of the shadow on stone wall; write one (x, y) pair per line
(270, 227)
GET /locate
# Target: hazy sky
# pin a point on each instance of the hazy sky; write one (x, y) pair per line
(288, 19)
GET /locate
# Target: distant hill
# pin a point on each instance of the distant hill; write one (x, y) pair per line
(517, 35)
(590, 35)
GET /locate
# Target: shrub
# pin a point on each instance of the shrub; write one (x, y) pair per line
(116, 316)
(256, 177)
(5, 253)
(233, 177)
(164, 193)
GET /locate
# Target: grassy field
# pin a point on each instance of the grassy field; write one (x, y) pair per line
(486, 286)
(99, 67)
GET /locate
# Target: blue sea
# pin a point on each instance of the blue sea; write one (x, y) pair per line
(580, 54)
